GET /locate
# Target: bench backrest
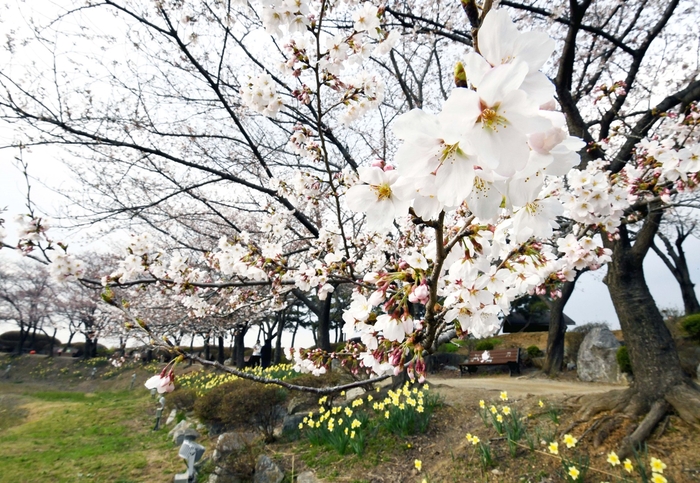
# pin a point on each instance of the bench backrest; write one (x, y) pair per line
(496, 356)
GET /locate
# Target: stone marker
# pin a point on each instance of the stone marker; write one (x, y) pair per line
(7, 371)
(133, 380)
(597, 357)
(191, 452)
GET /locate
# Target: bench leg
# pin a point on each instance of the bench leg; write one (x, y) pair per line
(513, 368)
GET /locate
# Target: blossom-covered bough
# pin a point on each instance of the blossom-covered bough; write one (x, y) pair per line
(314, 151)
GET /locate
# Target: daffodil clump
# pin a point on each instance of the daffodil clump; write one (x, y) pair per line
(343, 428)
(638, 468)
(408, 410)
(574, 465)
(203, 381)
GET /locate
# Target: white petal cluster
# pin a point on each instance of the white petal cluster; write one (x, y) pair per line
(66, 268)
(490, 143)
(291, 14)
(260, 95)
(366, 92)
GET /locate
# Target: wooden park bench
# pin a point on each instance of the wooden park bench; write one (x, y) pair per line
(495, 357)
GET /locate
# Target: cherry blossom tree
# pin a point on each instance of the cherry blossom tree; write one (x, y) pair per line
(260, 155)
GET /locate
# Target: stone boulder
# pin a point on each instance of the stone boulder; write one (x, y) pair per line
(307, 477)
(597, 357)
(232, 442)
(267, 471)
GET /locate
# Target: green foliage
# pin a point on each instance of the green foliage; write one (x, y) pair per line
(182, 399)
(691, 326)
(623, 359)
(485, 345)
(448, 347)
(107, 435)
(242, 404)
(533, 351)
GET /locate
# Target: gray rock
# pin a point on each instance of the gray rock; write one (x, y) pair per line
(354, 393)
(220, 475)
(597, 357)
(189, 434)
(290, 423)
(228, 443)
(307, 477)
(267, 471)
(295, 404)
(181, 426)
(171, 417)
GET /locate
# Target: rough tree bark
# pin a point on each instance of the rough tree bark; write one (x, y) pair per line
(659, 380)
(554, 360)
(220, 354)
(239, 347)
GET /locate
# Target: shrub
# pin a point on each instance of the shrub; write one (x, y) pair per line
(691, 325)
(533, 351)
(448, 347)
(182, 399)
(623, 359)
(242, 404)
(484, 345)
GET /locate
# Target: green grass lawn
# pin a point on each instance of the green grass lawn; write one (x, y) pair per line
(52, 436)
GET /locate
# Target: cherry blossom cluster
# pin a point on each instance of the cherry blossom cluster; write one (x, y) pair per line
(260, 95)
(593, 198)
(66, 268)
(496, 139)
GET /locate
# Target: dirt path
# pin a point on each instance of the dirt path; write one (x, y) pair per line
(457, 389)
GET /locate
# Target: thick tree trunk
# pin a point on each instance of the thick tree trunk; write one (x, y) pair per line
(324, 326)
(220, 357)
(239, 348)
(554, 360)
(22, 338)
(690, 300)
(653, 354)
(277, 357)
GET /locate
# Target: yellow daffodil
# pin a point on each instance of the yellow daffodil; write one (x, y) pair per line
(541, 403)
(628, 465)
(301, 425)
(499, 418)
(613, 459)
(554, 447)
(657, 466)
(352, 434)
(658, 478)
(504, 395)
(418, 464)
(482, 404)
(574, 472)
(570, 441)
(369, 398)
(506, 410)
(475, 440)
(493, 409)
(386, 414)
